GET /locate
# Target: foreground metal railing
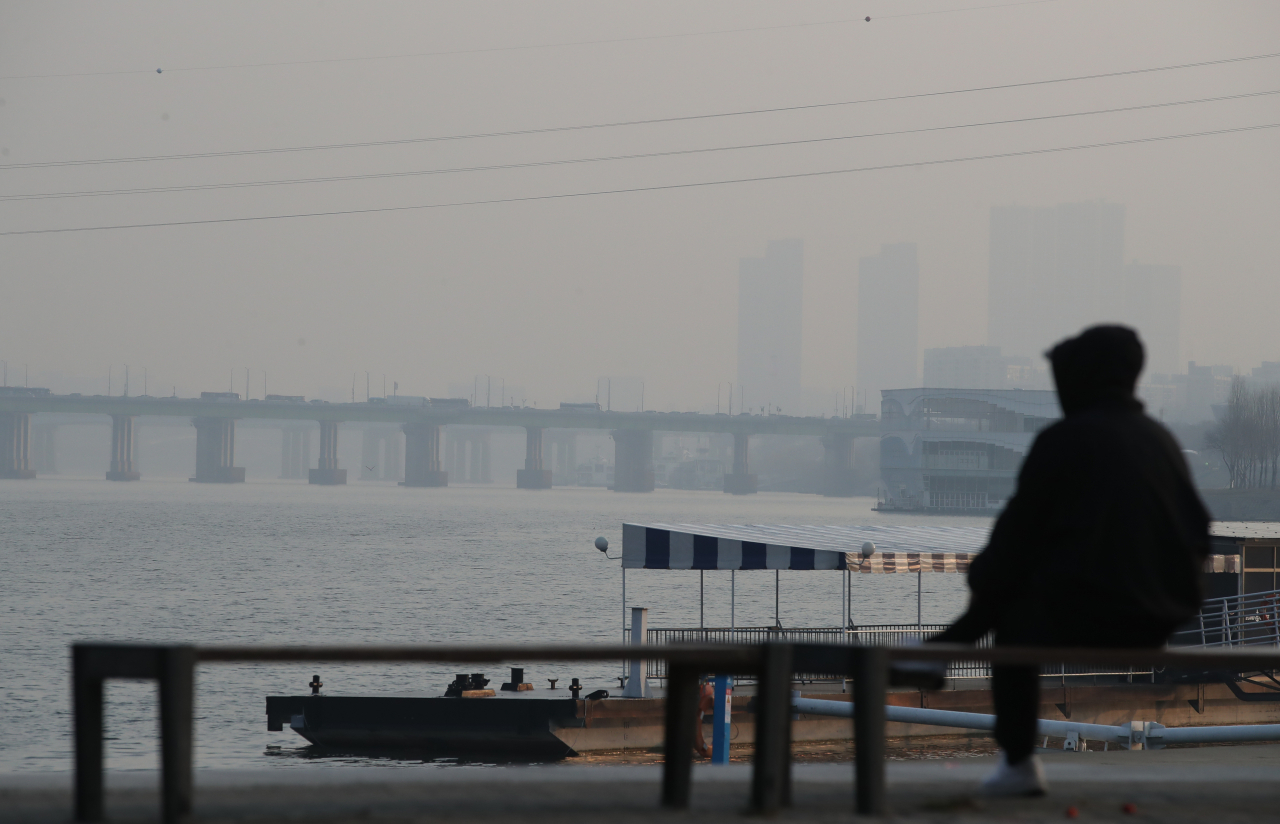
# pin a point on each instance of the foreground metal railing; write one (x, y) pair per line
(871, 635)
(773, 666)
(1235, 621)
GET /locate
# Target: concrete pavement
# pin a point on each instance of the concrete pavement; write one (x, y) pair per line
(1221, 784)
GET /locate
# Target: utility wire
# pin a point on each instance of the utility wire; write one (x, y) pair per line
(620, 123)
(637, 189)
(671, 153)
(531, 47)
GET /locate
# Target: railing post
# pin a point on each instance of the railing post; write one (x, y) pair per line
(771, 770)
(177, 728)
(86, 704)
(870, 680)
(677, 747)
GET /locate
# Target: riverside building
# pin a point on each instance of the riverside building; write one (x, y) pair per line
(957, 451)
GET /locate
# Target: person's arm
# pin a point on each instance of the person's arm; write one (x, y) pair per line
(1011, 554)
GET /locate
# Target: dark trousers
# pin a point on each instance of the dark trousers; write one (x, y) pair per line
(1015, 691)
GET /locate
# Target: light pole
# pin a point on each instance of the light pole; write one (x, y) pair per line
(602, 544)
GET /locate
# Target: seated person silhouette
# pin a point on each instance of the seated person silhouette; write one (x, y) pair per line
(1101, 545)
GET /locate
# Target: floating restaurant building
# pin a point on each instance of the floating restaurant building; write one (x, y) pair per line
(957, 451)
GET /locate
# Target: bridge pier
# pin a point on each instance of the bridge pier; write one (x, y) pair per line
(564, 457)
(216, 451)
(327, 473)
(43, 455)
(740, 481)
(15, 446)
(467, 451)
(533, 476)
(481, 455)
(393, 455)
(422, 456)
(837, 459)
(370, 457)
(380, 454)
(295, 452)
(632, 460)
(122, 450)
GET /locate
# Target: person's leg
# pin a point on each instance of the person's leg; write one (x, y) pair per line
(1016, 694)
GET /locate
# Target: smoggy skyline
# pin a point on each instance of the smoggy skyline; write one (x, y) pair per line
(555, 286)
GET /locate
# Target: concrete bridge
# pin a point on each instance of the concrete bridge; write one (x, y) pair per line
(214, 417)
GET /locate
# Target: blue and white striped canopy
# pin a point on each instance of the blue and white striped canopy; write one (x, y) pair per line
(758, 546)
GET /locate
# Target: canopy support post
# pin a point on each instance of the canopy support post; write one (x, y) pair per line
(624, 613)
(919, 600)
(732, 593)
(702, 600)
(777, 616)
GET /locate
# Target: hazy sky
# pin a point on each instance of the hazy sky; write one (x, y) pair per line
(551, 293)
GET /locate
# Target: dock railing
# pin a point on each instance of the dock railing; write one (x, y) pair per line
(1234, 621)
(872, 635)
(773, 666)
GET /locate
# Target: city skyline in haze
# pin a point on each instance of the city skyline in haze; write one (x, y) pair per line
(555, 285)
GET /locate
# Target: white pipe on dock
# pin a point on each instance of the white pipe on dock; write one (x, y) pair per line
(1148, 732)
(1206, 735)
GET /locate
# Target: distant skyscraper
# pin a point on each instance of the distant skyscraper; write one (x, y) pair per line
(1053, 271)
(888, 321)
(1153, 305)
(770, 292)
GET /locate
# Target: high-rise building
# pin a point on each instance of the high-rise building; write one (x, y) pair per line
(1053, 271)
(888, 320)
(1153, 306)
(770, 309)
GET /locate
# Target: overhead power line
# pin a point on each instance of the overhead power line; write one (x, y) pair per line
(529, 47)
(607, 158)
(638, 122)
(638, 189)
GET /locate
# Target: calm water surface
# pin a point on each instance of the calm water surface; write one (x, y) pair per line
(284, 562)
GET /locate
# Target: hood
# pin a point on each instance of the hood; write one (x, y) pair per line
(1098, 367)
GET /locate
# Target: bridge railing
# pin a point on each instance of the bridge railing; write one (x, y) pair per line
(773, 666)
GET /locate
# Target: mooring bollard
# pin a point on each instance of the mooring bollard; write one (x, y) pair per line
(870, 680)
(771, 773)
(677, 748)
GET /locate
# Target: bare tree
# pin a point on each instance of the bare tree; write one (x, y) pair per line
(1248, 436)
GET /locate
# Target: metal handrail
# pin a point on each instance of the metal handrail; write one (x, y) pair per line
(773, 665)
(1235, 621)
(883, 635)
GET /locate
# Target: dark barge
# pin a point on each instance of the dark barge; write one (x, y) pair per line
(520, 728)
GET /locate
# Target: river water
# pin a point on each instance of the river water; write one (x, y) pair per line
(284, 562)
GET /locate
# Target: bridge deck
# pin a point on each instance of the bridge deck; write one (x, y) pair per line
(862, 426)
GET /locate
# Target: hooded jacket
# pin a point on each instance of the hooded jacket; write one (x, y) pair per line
(1105, 528)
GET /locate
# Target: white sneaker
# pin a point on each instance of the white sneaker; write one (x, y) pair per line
(1025, 779)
